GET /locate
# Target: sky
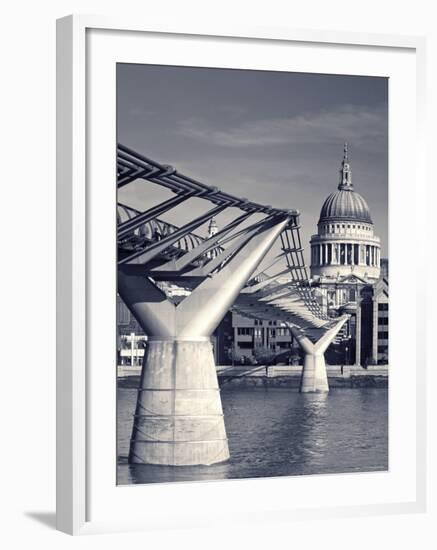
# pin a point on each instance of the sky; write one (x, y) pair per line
(273, 137)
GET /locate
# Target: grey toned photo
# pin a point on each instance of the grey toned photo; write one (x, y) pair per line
(253, 269)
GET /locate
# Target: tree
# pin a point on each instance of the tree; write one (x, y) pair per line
(264, 356)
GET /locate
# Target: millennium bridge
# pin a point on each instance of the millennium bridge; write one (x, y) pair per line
(254, 265)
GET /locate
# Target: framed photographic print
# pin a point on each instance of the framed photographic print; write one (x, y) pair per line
(233, 321)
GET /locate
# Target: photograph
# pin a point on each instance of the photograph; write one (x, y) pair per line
(233, 348)
(252, 336)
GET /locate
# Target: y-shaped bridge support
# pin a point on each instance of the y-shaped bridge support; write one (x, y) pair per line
(314, 375)
(179, 417)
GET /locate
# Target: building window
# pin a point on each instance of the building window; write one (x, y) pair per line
(383, 335)
(382, 307)
(245, 345)
(383, 321)
(352, 295)
(245, 331)
(123, 314)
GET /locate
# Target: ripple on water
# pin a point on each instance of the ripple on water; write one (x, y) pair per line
(279, 432)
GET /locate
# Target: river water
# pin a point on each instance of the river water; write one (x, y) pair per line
(279, 432)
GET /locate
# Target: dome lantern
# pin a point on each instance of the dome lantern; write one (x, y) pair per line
(345, 172)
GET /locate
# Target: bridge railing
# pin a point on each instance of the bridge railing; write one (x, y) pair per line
(141, 232)
(154, 230)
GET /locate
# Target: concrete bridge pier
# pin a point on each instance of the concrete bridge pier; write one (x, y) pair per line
(314, 375)
(179, 418)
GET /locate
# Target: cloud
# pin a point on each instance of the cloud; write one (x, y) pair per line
(360, 125)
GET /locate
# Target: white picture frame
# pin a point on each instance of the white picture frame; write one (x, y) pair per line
(75, 219)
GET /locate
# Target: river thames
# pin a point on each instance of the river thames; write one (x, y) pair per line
(279, 432)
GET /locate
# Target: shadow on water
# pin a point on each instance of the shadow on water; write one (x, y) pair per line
(280, 432)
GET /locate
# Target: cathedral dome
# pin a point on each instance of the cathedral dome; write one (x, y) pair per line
(345, 244)
(346, 203)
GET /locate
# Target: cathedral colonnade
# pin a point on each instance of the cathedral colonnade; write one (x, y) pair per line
(345, 253)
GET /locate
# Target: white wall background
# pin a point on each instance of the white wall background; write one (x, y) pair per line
(27, 307)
